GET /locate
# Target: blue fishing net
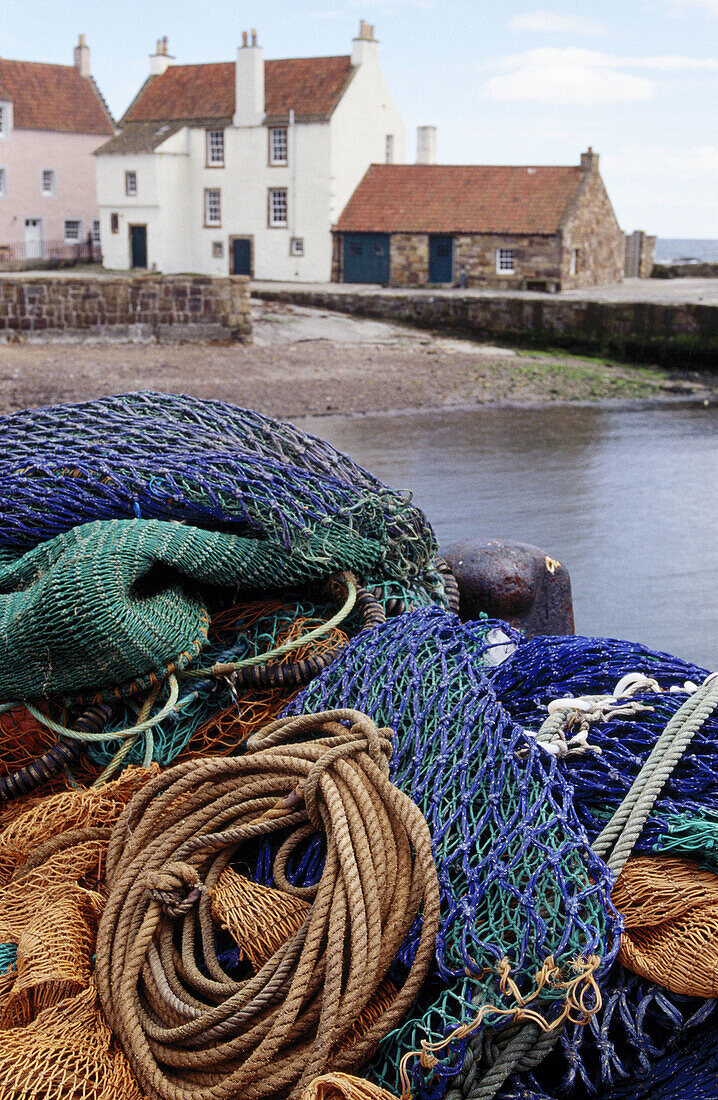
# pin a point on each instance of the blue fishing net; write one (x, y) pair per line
(685, 816)
(518, 879)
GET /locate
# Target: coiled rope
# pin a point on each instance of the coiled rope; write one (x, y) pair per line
(189, 1030)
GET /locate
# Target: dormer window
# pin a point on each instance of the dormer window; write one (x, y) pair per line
(278, 145)
(215, 148)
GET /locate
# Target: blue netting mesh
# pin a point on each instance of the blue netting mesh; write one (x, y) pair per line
(517, 876)
(8, 956)
(543, 669)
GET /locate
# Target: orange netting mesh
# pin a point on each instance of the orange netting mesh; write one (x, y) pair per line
(67, 1053)
(259, 918)
(22, 740)
(670, 909)
(342, 1086)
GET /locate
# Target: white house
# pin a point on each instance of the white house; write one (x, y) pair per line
(243, 167)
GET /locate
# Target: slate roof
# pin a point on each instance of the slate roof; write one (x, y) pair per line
(447, 198)
(311, 86)
(53, 97)
(139, 137)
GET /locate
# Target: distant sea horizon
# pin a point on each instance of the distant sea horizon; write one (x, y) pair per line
(671, 249)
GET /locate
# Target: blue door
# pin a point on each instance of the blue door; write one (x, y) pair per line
(366, 257)
(441, 259)
(241, 256)
(138, 246)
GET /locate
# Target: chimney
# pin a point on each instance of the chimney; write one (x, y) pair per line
(365, 46)
(249, 83)
(426, 145)
(82, 56)
(161, 58)
(589, 161)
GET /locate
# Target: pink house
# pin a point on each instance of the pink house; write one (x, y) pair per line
(52, 118)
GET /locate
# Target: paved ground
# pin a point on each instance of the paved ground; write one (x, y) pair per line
(668, 291)
(310, 362)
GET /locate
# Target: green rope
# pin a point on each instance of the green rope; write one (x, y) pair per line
(129, 732)
(287, 647)
(619, 836)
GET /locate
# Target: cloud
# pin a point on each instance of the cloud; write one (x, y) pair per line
(582, 77)
(550, 22)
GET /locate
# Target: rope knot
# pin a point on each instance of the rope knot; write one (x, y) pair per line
(176, 886)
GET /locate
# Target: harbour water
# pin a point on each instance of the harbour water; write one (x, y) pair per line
(626, 498)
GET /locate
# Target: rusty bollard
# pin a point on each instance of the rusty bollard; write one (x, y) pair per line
(512, 581)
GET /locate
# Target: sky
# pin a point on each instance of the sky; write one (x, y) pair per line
(504, 82)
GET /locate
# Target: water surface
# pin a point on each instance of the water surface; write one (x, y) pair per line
(625, 498)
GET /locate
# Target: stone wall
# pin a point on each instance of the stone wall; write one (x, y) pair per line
(166, 308)
(409, 259)
(681, 337)
(640, 255)
(590, 227)
(537, 260)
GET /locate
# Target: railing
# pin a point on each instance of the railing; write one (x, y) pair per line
(46, 255)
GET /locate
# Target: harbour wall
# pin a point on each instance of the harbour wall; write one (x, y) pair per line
(677, 336)
(165, 308)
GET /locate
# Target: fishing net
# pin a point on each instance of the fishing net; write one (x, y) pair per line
(685, 816)
(521, 889)
(670, 915)
(293, 499)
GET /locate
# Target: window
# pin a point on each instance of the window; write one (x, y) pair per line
(72, 230)
(114, 223)
(278, 206)
(130, 183)
(573, 268)
(296, 248)
(5, 119)
(3, 182)
(96, 231)
(48, 181)
(212, 206)
(389, 149)
(505, 258)
(278, 145)
(217, 250)
(215, 148)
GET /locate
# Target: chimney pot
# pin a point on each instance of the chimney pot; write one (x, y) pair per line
(160, 60)
(254, 37)
(426, 145)
(244, 38)
(589, 160)
(82, 56)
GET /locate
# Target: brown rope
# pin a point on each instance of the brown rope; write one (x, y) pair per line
(189, 1030)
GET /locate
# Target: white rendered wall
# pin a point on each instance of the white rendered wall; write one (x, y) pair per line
(24, 154)
(140, 209)
(365, 115)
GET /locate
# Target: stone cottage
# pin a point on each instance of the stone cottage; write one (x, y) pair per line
(52, 118)
(242, 167)
(528, 228)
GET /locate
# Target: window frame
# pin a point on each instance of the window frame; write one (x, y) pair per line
(271, 223)
(3, 182)
(272, 159)
(209, 162)
(95, 231)
(296, 246)
(51, 192)
(209, 224)
(131, 183)
(114, 222)
(573, 262)
(502, 255)
(217, 250)
(72, 240)
(389, 149)
(6, 118)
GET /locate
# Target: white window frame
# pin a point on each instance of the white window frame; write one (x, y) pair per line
(72, 221)
(389, 149)
(51, 191)
(95, 230)
(131, 183)
(3, 183)
(212, 196)
(573, 262)
(274, 206)
(214, 148)
(217, 250)
(280, 158)
(296, 246)
(5, 117)
(505, 261)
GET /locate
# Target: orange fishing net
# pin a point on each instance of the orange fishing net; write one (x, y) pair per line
(670, 909)
(22, 740)
(259, 918)
(342, 1086)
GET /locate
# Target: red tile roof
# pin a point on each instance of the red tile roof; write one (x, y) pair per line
(53, 97)
(447, 198)
(311, 86)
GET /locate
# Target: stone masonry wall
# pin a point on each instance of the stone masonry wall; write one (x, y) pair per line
(680, 336)
(537, 259)
(166, 308)
(409, 259)
(592, 229)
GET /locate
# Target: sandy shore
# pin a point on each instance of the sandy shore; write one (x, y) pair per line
(309, 363)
